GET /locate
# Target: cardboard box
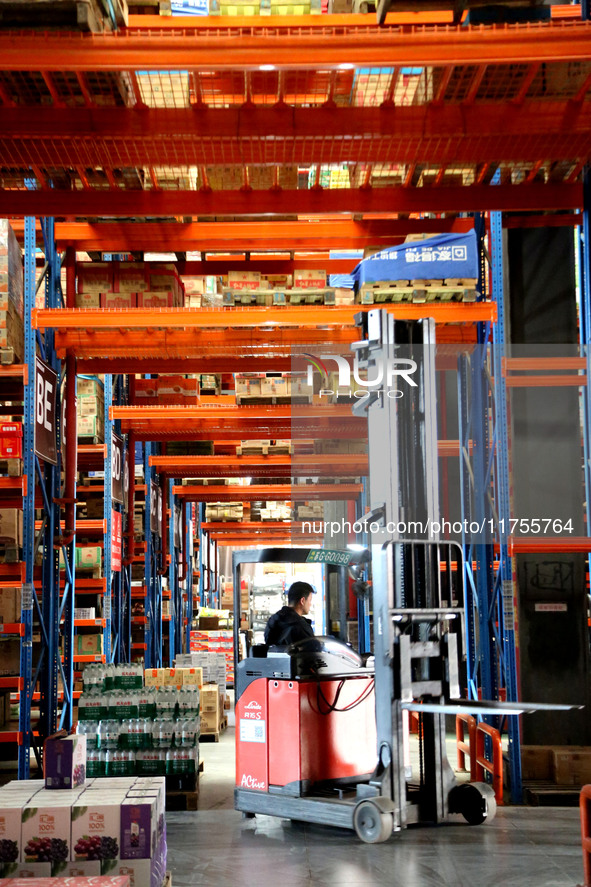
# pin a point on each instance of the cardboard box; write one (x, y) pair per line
(65, 761)
(537, 762)
(11, 268)
(89, 556)
(11, 440)
(244, 280)
(45, 819)
(192, 677)
(10, 604)
(88, 300)
(572, 766)
(139, 827)
(37, 872)
(95, 277)
(88, 644)
(152, 677)
(275, 385)
(118, 300)
(99, 820)
(306, 279)
(10, 829)
(156, 299)
(91, 426)
(90, 386)
(90, 405)
(82, 868)
(210, 722)
(11, 526)
(131, 277)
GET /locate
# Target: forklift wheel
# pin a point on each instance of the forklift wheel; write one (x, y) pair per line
(372, 825)
(475, 801)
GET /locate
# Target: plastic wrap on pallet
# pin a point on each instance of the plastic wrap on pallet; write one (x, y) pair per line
(437, 258)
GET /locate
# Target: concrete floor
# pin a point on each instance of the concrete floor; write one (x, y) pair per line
(521, 847)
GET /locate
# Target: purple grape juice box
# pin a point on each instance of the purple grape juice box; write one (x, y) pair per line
(96, 826)
(65, 761)
(139, 827)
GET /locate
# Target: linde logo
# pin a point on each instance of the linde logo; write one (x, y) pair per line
(387, 372)
(254, 705)
(249, 781)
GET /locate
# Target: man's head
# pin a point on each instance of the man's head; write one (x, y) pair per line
(299, 596)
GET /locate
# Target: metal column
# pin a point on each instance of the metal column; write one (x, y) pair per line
(504, 578)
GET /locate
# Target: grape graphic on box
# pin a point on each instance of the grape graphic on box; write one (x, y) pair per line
(8, 850)
(95, 831)
(46, 850)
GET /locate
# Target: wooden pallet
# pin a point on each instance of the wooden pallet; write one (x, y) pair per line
(182, 801)
(214, 735)
(264, 450)
(541, 793)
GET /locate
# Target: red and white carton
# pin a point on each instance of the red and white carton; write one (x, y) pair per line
(118, 300)
(244, 280)
(95, 277)
(11, 440)
(88, 300)
(306, 279)
(156, 299)
(131, 277)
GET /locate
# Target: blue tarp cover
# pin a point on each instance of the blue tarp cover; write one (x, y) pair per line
(444, 256)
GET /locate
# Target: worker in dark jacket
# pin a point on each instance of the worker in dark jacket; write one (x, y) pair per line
(289, 624)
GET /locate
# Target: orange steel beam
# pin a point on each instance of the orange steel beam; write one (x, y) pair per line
(275, 492)
(529, 544)
(159, 202)
(544, 381)
(300, 316)
(483, 131)
(242, 541)
(260, 466)
(544, 363)
(175, 236)
(273, 527)
(301, 41)
(245, 414)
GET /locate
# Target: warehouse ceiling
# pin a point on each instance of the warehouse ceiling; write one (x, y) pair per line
(210, 120)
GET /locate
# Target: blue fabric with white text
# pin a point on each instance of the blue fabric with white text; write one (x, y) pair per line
(438, 258)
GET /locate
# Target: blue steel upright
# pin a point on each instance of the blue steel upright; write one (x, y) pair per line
(503, 587)
(26, 664)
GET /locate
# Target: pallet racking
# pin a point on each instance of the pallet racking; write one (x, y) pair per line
(501, 125)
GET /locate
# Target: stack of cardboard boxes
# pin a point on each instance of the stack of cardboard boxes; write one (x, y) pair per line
(168, 389)
(128, 285)
(104, 826)
(90, 409)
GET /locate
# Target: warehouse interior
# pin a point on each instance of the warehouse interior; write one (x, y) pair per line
(295, 292)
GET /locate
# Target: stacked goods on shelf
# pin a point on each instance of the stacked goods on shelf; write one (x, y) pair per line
(442, 268)
(275, 511)
(337, 447)
(11, 449)
(252, 288)
(168, 389)
(224, 511)
(214, 701)
(215, 640)
(12, 344)
(128, 285)
(111, 827)
(310, 511)
(264, 448)
(132, 728)
(90, 410)
(210, 384)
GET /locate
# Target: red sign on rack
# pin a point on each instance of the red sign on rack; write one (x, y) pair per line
(116, 541)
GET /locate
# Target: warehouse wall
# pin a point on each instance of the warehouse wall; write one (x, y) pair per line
(548, 482)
